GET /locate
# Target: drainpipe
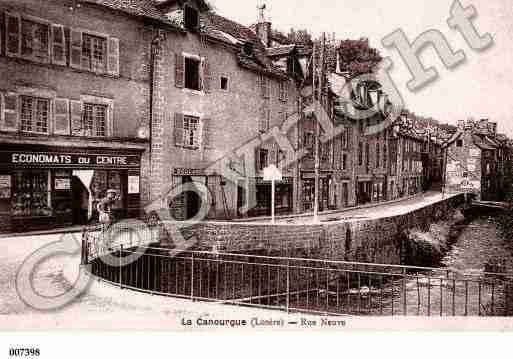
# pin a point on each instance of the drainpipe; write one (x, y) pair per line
(154, 51)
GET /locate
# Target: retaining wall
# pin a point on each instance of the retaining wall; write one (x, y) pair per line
(373, 240)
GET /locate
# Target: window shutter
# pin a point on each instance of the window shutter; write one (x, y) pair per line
(61, 116)
(113, 58)
(207, 133)
(206, 75)
(75, 49)
(179, 70)
(58, 46)
(9, 115)
(12, 34)
(178, 129)
(76, 118)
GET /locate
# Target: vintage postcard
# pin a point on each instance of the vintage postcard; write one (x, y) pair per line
(192, 165)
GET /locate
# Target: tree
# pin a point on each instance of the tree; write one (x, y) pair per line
(357, 57)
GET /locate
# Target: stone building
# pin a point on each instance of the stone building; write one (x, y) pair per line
(217, 93)
(477, 158)
(74, 109)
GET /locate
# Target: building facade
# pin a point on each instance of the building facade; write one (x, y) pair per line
(74, 95)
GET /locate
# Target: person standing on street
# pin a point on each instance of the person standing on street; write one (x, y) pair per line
(104, 207)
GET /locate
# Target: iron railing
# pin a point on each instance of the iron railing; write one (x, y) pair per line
(305, 285)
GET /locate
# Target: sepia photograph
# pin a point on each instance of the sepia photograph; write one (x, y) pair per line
(256, 166)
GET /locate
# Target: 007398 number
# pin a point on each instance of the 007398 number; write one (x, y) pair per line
(24, 352)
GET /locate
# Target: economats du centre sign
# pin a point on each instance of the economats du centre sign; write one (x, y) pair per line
(45, 159)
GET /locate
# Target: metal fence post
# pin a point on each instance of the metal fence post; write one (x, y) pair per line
(288, 285)
(192, 276)
(120, 268)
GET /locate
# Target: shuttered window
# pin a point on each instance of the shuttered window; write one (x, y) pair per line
(35, 41)
(61, 125)
(58, 45)
(207, 133)
(187, 131)
(10, 113)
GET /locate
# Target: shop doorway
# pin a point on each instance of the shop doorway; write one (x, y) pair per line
(192, 200)
(80, 201)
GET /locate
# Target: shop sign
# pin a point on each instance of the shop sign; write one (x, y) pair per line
(133, 185)
(284, 180)
(68, 159)
(5, 186)
(188, 172)
(62, 184)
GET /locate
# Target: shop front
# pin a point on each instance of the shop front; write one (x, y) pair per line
(327, 192)
(48, 187)
(283, 197)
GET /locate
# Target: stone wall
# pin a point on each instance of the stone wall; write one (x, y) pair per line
(374, 240)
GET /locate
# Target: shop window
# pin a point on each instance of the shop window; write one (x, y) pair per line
(35, 40)
(94, 53)
(34, 114)
(191, 18)
(191, 135)
(192, 74)
(31, 194)
(94, 120)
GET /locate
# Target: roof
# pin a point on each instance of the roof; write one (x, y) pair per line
(231, 32)
(280, 37)
(482, 143)
(282, 50)
(213, 23)
(142, 8)
(454, 137)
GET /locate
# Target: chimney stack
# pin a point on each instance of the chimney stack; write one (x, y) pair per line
(263, 27)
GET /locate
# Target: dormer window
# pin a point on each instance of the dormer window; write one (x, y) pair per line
(191, 18)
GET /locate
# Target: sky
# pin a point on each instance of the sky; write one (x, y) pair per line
(481, 87)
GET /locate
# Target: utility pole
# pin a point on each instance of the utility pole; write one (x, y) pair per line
(317, 125)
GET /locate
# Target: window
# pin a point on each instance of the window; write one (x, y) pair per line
(191, 18)
(360, 154)
(265, 84)
(94, 53)
(34, 114)
(377, 155)
(94, 121)
(384, 156)
(459, 143)
(224, 83)
(367, 157)
(35, 40)
(263, 158)
(283, 91)
(309, 142)
(31, 194)
(191, 133)
(344, 161)
(192, 74)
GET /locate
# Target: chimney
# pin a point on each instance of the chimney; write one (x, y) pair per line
(263, 27)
